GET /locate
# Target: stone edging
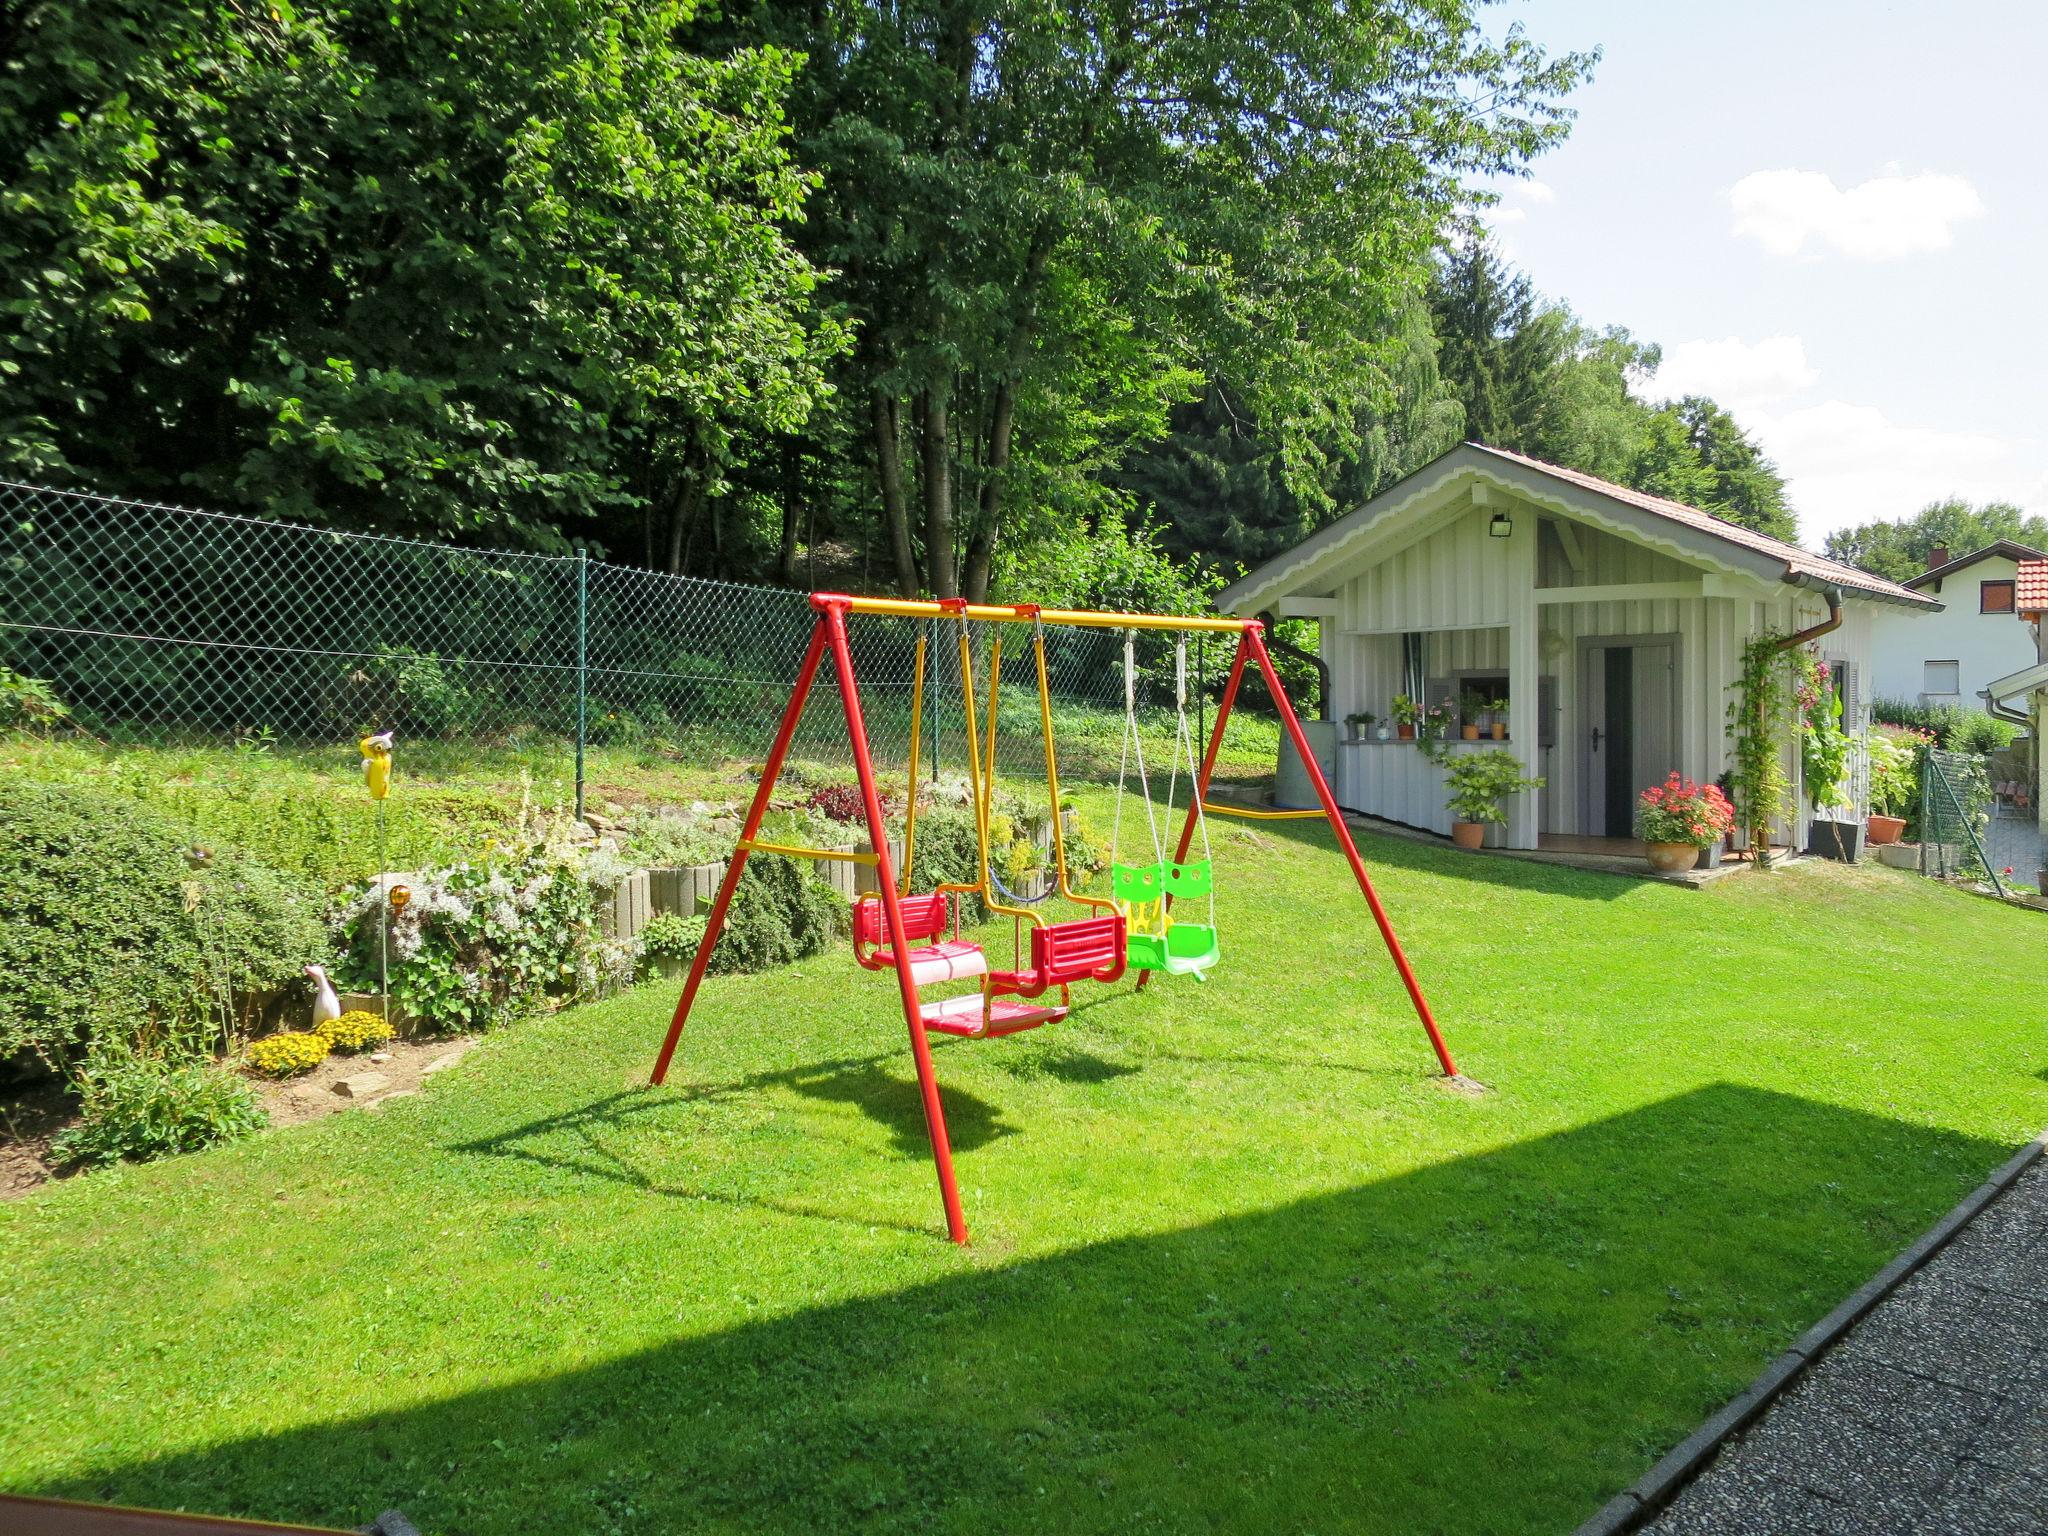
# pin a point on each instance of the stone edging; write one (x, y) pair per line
(1645, 1497)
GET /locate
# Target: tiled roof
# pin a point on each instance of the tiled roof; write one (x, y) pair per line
(2004, 549)
(2032, 587)
(1797, 561)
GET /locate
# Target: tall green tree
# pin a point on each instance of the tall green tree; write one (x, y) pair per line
(1056, 222)
(467, 267)
(1535, 379)
(1898, 548)
(1745, 486)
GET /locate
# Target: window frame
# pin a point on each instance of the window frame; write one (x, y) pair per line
(1956, 667)
(2012, 596)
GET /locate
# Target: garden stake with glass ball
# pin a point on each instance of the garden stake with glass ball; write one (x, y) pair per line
(376, 750)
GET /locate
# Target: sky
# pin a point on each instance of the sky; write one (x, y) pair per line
(1833, 218)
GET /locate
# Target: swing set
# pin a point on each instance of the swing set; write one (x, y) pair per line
(1134, 928)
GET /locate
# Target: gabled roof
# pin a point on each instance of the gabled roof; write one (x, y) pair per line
(2031, 589)
(1685, 531)
(2019, 684)
(1997, 549)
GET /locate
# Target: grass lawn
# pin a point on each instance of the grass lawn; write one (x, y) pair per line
(1240, 1264)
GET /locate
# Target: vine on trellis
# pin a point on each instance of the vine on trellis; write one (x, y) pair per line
(1757, 718)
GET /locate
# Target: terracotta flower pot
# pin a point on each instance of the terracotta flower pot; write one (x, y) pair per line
(1885, 830)
(1500, 730)
(1672, 858)
(1407, 731)
(1471, 732)
(1468, 834)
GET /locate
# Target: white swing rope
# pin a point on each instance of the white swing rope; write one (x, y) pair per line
(1132, 741)
(1184, 739)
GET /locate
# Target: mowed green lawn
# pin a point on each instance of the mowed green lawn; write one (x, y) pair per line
(1240, 1264)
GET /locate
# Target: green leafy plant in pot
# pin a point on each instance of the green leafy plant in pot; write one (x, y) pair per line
(1406, 713)
(1479, 784)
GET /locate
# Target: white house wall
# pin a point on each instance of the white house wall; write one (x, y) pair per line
(1985, 646)
(1455, 578)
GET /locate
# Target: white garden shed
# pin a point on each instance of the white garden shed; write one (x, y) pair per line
(1612, 622)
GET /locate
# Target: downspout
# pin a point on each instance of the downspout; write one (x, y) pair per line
(1827, 625)
(1791, 642)
(1309, 658)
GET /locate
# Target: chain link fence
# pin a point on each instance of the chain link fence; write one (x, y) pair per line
(159, 625)
(1955, 810)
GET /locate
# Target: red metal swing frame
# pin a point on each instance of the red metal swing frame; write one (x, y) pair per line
(829, 635)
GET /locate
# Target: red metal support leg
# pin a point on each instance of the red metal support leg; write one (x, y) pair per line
(1256, 645)
(771, 770)
(833, 619)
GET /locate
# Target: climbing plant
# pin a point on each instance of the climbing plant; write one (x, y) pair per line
(1757, 717)
(1824, 745)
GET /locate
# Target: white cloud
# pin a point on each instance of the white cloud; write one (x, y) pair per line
(1847, 464)
(1883, 219)
(1740, 375)
(1533, 191)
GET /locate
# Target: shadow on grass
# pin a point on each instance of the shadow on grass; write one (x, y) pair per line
(1492, 1344)
(1383, 850)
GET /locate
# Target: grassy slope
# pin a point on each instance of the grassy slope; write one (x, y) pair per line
(1239, 1264)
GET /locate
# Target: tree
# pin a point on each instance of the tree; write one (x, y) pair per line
(453, 268)
(1056, 223)
(1535, 379)
(1745, 485)
(1899, 548)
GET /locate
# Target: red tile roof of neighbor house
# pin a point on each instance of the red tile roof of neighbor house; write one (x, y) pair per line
(1797, 560)
(2031, 590)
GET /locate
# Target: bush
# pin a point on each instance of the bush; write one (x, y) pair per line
(111, 936)
(136, 1106)
(287, 1054)
(356, 1030)
(1955, 729)
(671, 936)
(779, 915)
(479, 944)
(29, 704)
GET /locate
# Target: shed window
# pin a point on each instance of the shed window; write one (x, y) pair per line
(1995, 597)
(1941, 678)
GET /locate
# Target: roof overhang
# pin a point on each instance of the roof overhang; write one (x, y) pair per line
(2028, 680)
(1412, 503)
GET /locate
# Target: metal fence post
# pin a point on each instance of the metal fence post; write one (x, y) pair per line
(582, 666)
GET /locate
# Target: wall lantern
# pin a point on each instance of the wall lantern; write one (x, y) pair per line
(1500, 527)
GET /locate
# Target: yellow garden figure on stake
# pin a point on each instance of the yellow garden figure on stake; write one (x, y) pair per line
(376, 750)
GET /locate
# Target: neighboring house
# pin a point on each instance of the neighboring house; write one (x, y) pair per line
(1612, 621)
(1950, 657)
(2024, 691)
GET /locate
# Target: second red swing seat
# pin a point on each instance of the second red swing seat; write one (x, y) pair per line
(926, 919)
(1088, 949)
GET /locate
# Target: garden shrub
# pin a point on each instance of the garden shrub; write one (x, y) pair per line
(778, 915)
(356, 1030)
(1954, 728)
(29, 703)
(136, 1106)
(287, 1054)
(480, 943)
(112, 936)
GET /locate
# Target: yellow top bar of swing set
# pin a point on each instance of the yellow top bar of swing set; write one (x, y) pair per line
(1004, 613)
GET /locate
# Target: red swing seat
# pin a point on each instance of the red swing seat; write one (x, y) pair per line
(925, 918)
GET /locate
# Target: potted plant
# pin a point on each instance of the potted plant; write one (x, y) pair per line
(1498, 709)
(1479, 782)
(1470, 707)
(1437, 723)
(1894, 774)
(1677, 818)
(1407, 714)
(1360, 722)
